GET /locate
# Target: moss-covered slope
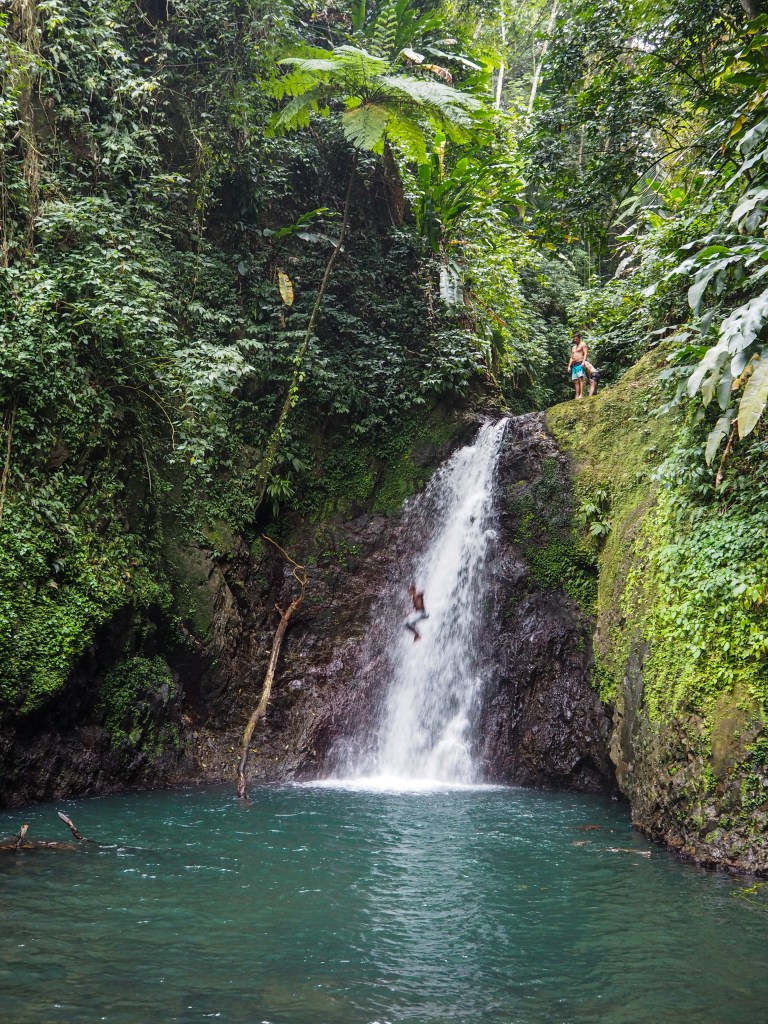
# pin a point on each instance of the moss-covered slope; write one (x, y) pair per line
(681, 622)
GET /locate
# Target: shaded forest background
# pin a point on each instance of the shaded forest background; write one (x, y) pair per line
(171, 195)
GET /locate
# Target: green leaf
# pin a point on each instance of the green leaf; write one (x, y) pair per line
(451, 288)
(724, 389)
(743, 325)
(713, 358)
(717, 435)
(755, 397)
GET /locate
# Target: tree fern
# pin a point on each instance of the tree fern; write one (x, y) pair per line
(379, 104)
(382, 105)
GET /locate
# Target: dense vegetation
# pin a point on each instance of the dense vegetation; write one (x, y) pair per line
(250, 249)
(164, 358)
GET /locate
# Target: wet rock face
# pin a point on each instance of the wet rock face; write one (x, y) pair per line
(699, 790)
(64, 748)
(540, 724)
(543, 723)
(323, 692)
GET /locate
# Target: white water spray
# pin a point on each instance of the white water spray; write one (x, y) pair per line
(425, 729)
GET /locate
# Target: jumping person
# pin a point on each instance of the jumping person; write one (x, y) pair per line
(418, 613)
(576, 364)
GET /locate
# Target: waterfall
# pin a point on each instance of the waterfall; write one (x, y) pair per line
(432, 688)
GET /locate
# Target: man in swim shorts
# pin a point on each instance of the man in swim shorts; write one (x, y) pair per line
(418, 613)
(576, 364)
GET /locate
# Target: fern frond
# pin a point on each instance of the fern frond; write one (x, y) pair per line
(385, 27)
(293, 84)
(297, 113)
(313, 64)
(455, 129)
(443, 99)
(364, 127)
(407, 135)
(369, 58)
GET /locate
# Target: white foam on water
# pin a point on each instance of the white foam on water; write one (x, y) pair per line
(396, 784)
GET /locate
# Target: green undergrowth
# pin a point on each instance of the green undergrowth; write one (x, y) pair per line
(683, 566)
(133, 698)
(360, 472)
(699, 590)
(68, 564)
(616, 441)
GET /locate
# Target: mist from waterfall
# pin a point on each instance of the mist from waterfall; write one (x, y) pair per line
(432, 688)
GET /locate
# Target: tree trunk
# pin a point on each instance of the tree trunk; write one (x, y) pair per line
(500, 80)
(20, 841)
(25, 17)
(752, 8)
(300, 575)
(394, 186)
(540, 65)
(5, 475)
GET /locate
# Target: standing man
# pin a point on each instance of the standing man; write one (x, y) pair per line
(576, 364)
(418, 613)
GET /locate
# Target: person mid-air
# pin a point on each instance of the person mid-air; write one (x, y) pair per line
(418, 614)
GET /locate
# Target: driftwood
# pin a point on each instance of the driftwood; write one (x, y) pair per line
(71, 826)
(20, 841)
(299, 573)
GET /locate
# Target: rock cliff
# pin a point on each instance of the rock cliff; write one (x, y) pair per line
(585, 685)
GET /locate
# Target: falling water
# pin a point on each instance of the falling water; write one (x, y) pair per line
(425, 727)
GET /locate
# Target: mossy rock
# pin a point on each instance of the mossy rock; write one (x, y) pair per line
(617, 439)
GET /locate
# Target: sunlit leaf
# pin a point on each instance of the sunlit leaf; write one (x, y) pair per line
(754, 399)
(286, 288)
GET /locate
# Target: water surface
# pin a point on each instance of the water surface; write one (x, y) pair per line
(332, 906)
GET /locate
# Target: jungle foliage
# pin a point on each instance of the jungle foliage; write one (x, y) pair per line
(649, 154)
(163, 242)
(240, 235)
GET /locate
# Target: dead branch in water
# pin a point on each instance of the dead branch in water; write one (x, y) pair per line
(71, 826)
(299, 573)
(20, 841)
